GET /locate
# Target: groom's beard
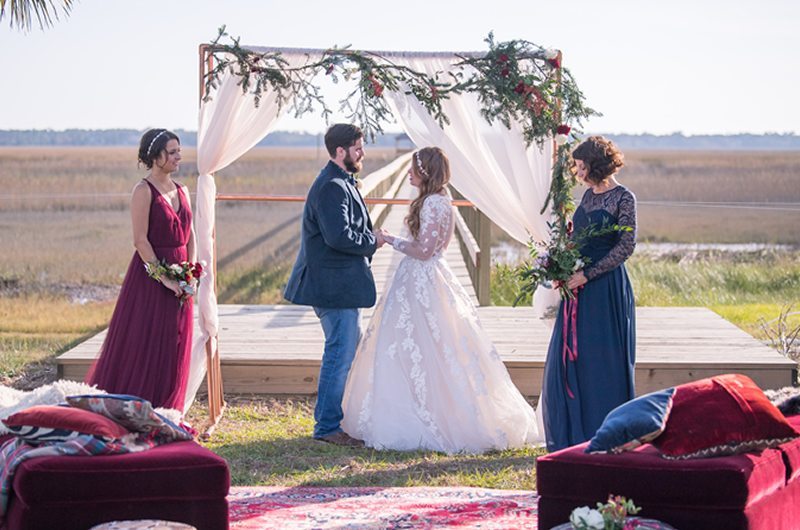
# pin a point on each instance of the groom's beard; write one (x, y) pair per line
(351, 165)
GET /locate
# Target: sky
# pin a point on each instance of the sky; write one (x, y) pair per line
(650, 66)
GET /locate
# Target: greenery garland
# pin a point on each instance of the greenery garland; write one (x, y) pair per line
(514, 81)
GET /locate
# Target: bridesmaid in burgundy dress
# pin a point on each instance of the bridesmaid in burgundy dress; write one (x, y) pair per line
(147, 350)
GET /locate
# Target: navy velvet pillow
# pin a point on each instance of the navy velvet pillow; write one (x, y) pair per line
(633, 423)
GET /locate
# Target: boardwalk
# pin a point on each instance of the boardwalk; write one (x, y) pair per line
(277, 349)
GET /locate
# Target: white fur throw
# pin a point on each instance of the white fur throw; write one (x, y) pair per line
(12, 400)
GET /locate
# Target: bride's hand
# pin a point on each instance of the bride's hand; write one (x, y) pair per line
(388, 237)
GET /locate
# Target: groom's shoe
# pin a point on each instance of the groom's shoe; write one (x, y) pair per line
(341, 438)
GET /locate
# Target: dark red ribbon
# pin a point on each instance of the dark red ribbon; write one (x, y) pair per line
(569, 333)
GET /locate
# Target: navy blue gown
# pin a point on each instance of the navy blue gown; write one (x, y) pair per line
(578, 391)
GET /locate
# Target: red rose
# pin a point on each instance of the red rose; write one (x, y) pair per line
(563, 129)
(329, 69)
(377, 89)
(555, 63)
(503, 58)
(198, 269)
(520, 88)
(504, 72)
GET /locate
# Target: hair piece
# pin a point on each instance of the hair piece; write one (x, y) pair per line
(152, 143)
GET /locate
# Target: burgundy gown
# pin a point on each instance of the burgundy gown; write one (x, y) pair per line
(147, 350)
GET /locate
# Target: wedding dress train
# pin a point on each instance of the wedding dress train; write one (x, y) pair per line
(426, 375)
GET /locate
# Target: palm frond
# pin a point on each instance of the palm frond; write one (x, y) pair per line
(21, 13)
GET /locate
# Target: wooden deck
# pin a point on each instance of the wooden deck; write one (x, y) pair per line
(277, 349)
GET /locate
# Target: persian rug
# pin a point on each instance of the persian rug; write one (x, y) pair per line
(321, 508)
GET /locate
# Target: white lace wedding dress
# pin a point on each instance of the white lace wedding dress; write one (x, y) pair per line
(426, 376)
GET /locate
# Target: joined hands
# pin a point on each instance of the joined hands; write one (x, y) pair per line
(383, 236)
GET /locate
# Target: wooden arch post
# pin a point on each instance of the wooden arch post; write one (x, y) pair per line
(216, 401)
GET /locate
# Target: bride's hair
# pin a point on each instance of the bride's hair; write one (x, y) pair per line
(433, 169)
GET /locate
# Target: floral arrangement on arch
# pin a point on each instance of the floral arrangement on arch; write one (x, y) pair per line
(514, 81)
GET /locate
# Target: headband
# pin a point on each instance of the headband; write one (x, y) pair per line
(419, 165)
(154, 141)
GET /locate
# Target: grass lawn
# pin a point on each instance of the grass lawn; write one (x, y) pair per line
(268, 442)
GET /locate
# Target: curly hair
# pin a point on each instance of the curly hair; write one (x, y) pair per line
(601, 156)
(433, 168)
(153, 142)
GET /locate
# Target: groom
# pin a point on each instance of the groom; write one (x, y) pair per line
(332, 271)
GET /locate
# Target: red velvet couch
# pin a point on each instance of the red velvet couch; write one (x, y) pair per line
(752, 491)
(180, 481)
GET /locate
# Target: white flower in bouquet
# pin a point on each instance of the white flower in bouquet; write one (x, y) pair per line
(578, 265)
(584, 518)
(176, 269)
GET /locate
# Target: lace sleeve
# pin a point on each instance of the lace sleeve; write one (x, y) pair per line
(626, 216)
(435, 218)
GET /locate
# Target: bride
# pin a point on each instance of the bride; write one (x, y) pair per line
(426, 376)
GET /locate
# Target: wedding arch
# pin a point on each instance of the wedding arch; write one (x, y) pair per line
(505, 117)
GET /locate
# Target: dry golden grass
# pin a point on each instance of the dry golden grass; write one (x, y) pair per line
(713, 176)
(58, 237)
(50, 235)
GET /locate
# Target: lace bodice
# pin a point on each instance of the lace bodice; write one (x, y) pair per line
(620, 204)
(435, 229)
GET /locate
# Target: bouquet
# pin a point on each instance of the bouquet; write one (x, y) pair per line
(186, 273)
(613, 515)
(559, 259)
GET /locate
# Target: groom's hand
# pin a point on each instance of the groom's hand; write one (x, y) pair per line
(379, 238)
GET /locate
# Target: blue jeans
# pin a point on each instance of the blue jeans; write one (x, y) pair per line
(341, 328)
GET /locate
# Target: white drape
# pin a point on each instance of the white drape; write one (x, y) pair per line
(490, 164)
(229, 125)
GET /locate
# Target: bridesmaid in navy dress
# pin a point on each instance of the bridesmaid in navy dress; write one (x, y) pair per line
(582, 384)
(147, 349)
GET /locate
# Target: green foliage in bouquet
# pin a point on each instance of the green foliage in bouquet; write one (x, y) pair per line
(559, 259)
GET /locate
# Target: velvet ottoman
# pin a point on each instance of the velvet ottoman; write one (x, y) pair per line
(180, 481)
(755, 491)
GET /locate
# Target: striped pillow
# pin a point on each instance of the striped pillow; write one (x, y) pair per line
(51, 423)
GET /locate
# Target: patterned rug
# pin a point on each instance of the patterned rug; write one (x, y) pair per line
(265, 508)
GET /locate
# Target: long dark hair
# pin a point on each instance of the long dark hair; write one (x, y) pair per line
(433, 168)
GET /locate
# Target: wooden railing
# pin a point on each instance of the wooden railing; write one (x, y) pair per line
(380, 188)
(475, 238)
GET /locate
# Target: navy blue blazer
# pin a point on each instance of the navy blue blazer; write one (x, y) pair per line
(337, 243)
